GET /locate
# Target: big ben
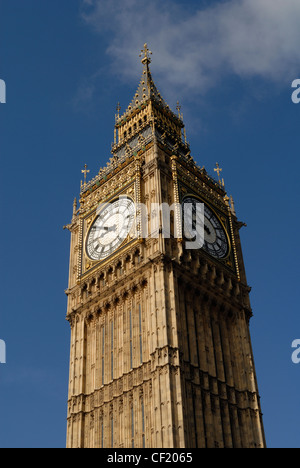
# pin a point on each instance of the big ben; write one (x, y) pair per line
(161, 352)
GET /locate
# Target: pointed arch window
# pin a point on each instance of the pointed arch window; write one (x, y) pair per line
(131, 339)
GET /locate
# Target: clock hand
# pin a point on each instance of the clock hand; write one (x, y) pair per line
(207, 230)
(107, 230)
(110, 228)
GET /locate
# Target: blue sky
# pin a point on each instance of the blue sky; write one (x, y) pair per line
(66, 65)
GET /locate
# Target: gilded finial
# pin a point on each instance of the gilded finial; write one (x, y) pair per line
(118, 110)
(117, 117)
(84, 171)
(218, 170)
(178, 108)
(146, 55)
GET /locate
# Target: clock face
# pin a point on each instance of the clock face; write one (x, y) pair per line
(215, 238)
(110, 229)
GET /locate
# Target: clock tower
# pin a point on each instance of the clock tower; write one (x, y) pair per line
(160, 345)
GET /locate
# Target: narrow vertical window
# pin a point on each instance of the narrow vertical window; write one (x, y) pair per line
(197, 337)
(187, 331)
(132, 427)
(103, 349)
(143, 422)
(130, 324)
(140, 334)
(112, 350)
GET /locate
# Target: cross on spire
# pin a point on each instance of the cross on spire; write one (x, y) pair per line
(218, 170)
(146, 55)
(85, 171)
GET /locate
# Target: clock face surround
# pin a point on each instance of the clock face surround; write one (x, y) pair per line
(110, 228)
(215, 239)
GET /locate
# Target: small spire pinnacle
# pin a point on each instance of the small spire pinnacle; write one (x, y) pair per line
(118, 110)
(180, 116)
(117, 117)
(232, 205)
(218, 170)
(146, 60)
(178, 108)
(74, 207)
(84, 171)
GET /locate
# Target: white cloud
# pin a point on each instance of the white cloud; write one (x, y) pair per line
(195, 49)
(84, 95)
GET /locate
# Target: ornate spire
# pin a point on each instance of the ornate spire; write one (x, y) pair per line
(147, 89)
(147, 110)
